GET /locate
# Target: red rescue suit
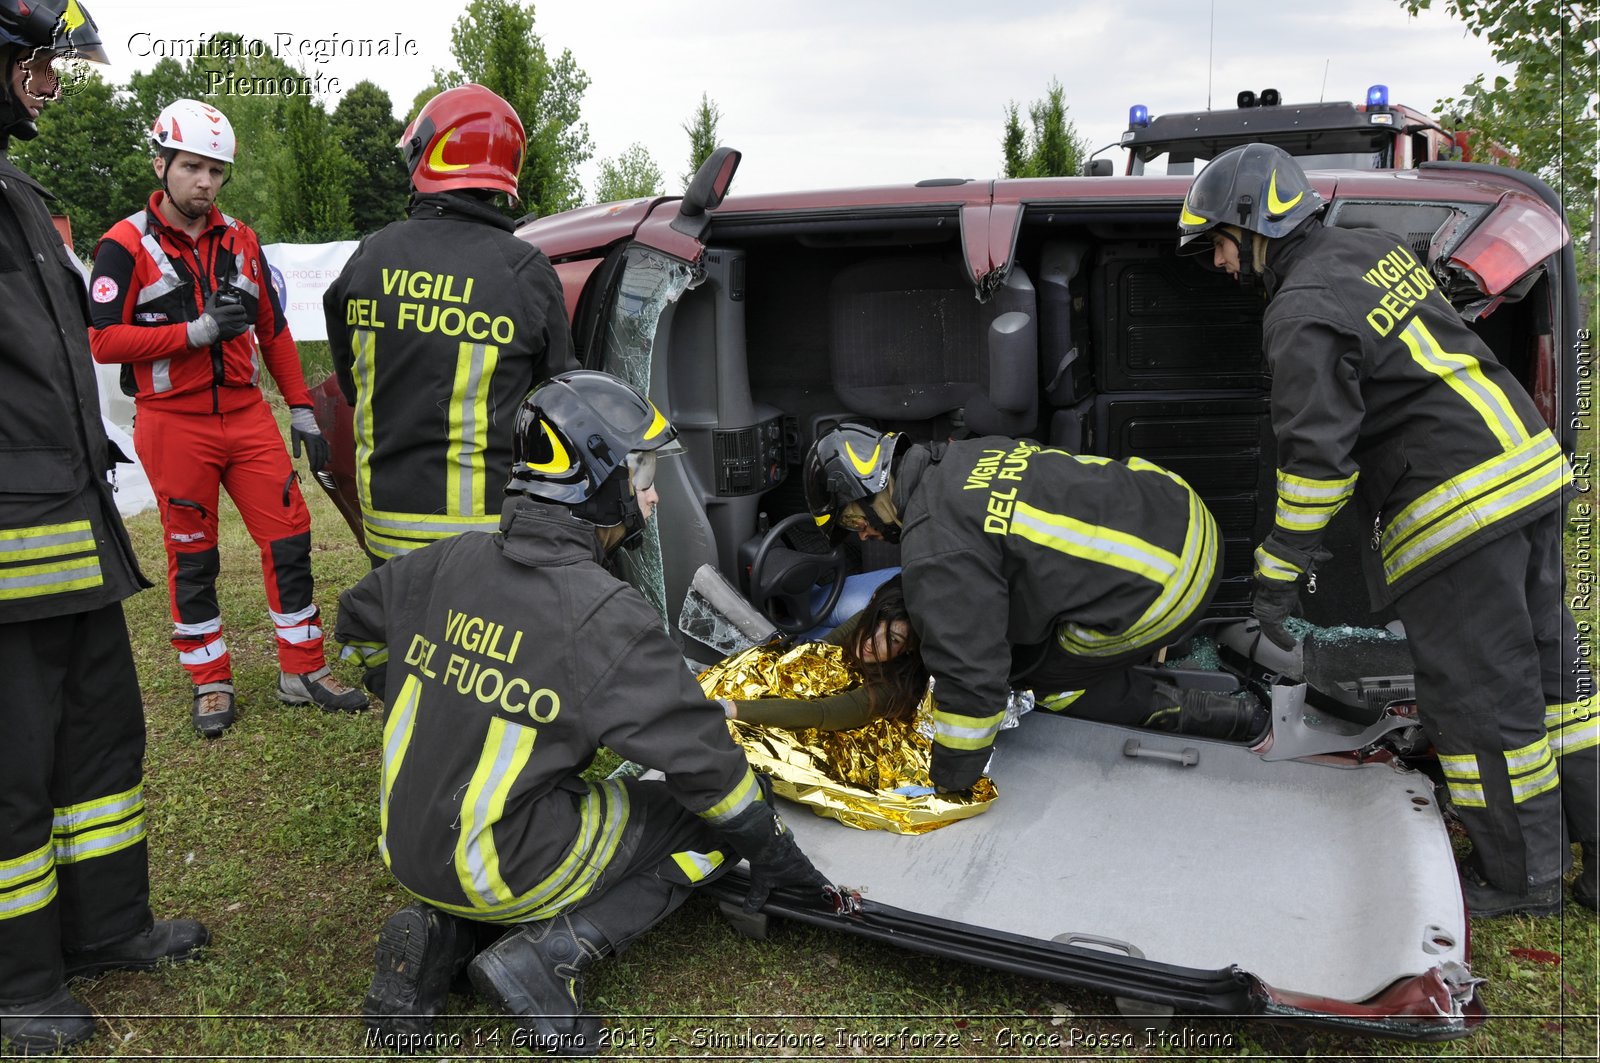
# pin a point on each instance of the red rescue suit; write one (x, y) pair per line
(203, 422)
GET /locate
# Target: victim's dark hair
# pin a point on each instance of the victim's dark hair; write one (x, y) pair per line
(894, 687)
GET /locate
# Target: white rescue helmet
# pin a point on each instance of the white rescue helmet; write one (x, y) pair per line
(195, 127)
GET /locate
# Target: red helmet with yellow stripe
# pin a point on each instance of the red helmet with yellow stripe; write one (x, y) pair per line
(465, 137)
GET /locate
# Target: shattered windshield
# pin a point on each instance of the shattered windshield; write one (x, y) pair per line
(650, 281)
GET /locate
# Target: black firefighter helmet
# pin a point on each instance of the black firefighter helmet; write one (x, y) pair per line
(848, 465)
(1257, 187)
(587, 440)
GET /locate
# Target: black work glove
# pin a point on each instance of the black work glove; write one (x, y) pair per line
(760, 836)
(954, 770)
(232, 318)
(1272, 603)
(303, 430)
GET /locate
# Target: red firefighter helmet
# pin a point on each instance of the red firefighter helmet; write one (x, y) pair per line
(465, 137)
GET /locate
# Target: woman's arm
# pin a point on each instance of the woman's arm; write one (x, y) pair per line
(836, 712)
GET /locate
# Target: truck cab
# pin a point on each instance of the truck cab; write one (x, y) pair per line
(1372, 135)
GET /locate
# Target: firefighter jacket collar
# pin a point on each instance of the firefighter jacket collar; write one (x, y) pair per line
(216, 221)
(907, 474)
(459, 207)
(1284, 252)
(537, 533)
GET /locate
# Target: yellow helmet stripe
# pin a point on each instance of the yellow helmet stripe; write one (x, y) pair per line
(657, 426)
(73, 16)
(1189, 217)
(863, 467)
(436, 156)
(1276, 205)
(822, 520)
(560, 461)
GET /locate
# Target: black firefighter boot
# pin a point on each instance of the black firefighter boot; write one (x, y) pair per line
(45, 1026)
(420, 949)
(536, 974)
(1586, 887)
(1210, 715)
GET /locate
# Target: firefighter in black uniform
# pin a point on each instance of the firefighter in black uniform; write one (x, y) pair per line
(508, 660)
(439, 325)
(74, 891)
(1381, 393)
(1035, 568)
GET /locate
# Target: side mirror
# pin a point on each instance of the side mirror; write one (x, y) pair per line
(710, 183)
(1099, 167)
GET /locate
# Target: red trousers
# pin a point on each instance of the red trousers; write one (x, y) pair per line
(187, 457)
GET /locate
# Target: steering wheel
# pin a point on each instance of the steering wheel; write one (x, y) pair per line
(781, 579)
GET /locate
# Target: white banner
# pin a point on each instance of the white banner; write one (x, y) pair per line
(301, 273)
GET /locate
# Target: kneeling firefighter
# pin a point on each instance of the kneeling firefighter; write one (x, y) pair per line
(515, 656)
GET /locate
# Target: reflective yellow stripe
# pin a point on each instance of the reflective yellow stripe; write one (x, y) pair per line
(1269, 566)
(86, 845)
(99, 827)
(696, 866)
(506, 749)
(744, 794)
(369, 654)
(1532, 769)
(1058, 702)
(27, 882)
(1464, 779)
(363, 350)
(1178, 600)
(1465, 376)
(602, 816)
(397, 731)
(1306, 491)
(1093, 542)
(1306, 505)
(45, 540)
(1573, 726)
(954, 731)
(1485, 494)
(469, 428)
(32, 581)
(99, 811)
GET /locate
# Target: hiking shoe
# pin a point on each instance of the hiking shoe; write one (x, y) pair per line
(166, 940)
(45, 1026)
(320, 688)
(1485, 901)
(212, 711)
(420, 949)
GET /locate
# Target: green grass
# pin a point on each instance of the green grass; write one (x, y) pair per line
(269, 834)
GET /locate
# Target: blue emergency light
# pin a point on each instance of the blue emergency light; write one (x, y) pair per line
(1138, 116)
(1378, 96)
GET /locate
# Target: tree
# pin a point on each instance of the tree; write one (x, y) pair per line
(94, 188)
(310, 179)
(1014, 143)
(702, 130)
(495, 45)
(631, 175)
(365, 124)
(1051, 147)
(1545, 114)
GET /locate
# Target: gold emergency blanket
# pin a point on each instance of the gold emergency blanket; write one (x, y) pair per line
(872, 778)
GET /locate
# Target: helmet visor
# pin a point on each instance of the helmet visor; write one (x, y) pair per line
(641, 470)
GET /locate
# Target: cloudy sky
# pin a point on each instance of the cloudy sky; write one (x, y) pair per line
(830, 92)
